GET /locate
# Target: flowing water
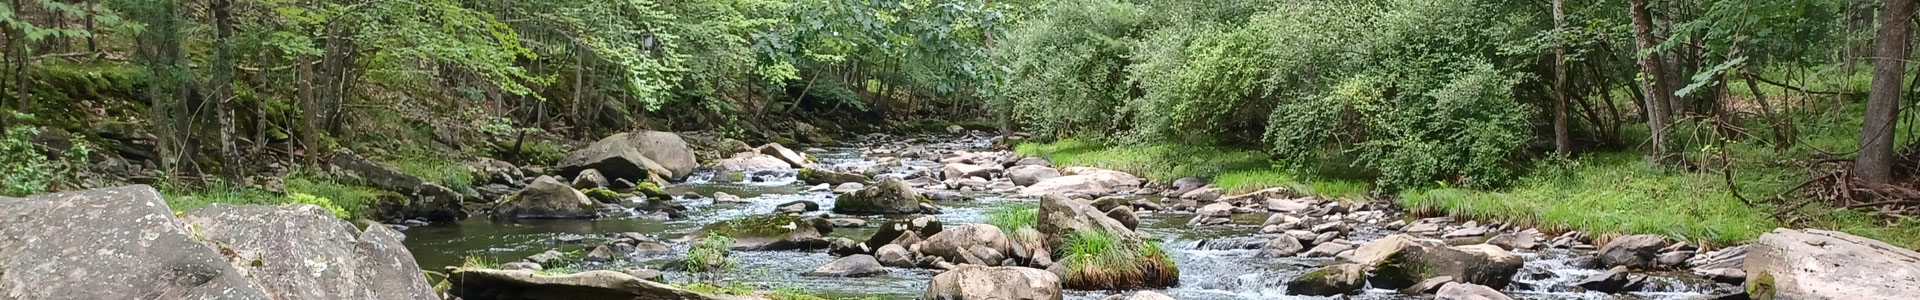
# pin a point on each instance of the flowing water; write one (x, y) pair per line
(1204, 274)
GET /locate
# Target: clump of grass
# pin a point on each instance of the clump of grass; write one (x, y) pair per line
(1017, 221)
(445, 172)
(1103, 260)
(184, 197)
(734, 288)
(322, 202)
(355, 199)
(711, 256)
(1235, 171)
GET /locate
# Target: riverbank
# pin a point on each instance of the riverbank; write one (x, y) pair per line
(1607, 193)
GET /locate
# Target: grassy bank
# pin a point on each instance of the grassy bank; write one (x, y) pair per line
(1233, 170)
(1606, 193)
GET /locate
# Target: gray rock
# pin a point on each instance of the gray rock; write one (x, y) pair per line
(521, 265)
(111, 243)
(1468, 291)
(890, 196)
(1126, 217)
(1428, 286)
(1033, 161)
(1328, 249)
(794, 159)
(600, 253)
(847, 223)
(1634, 251)
(823, 176)
(965, 282)
(1026, 175)
(843, 247)
(1399, 261)
(1528, 239)
(549, 257)
(1820, 264)
(426, 200)
(280, 247)
(590, 178)
(945, 196)
(1330, 280)
(1059, 217)
(748, 162)
(1088, 183)
(547, 198)
(770, 233)
(1280, 247)
(798, 206)
(1203, 194)
(487, 284)
(725, 198)
(894, 256)
(860, 265)
(953, 244)
(634, 156)
(1611, 281)
(954, 171)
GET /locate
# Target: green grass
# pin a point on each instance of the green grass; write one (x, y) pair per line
(446, 172)
(1236, 171)
(345, 199)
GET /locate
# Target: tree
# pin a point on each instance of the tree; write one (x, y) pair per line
(1874, 165)
(1659, 97)
(1562, 141)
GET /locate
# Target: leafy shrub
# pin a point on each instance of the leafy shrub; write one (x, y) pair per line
(1068, 80)
(25, 171)
(322, 202)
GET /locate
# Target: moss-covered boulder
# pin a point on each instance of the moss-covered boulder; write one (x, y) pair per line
(547, 198)
(891, 196)
(771, 232)
(1400, 261)
(820, 176)
(1331, 280)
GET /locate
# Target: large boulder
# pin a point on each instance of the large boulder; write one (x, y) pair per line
(112, 243)
(1060, 216)
(770, 233)
(1062, 219)
(1086, 183)
(488, 284)
(1820, 264)
(1400, 261)
(749, 161)
(954, 244)
(794, 159)
(1330, 280)
(634, 156)
(1026, 175)
(304, 252)
(823, 176)
(547, 198)
(860, 265)
(890, 196)
(1640, 251)
(970, 282)
(426, 200)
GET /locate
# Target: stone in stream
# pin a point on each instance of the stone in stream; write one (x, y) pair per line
(1428, 286)
(1331, 280)
(890, 196)
(1033, 161)
(636, 156)
(1088, 183)
(547, 258)
(843, 247)
(1213, 214)
(1468, 291)
(1399, 261)
(1820, 264)
(859, 265)
(945, 196)
(1639, 251)
(747, 162)
(1205, 194)
(894, 256)
(820, 176)
(847, 223)
(1328, 249)
(1280, 247)
(956, 243)
(794, 159)
(278, 246)
(797, 206)
(589, 179)
(849, 187)
(959, 171)
(546, 198)
(1060, 219)
(770, 232)
(1027, 175)
(1528, 239)
(725, 198)
(489, 284)
(1183, 185)
(966, 282)
(1611, 281)
(521, 265)
(111, 243)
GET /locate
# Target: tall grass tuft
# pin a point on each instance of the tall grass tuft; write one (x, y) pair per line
(1102, 260)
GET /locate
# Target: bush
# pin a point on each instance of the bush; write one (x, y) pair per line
(1070, 80)
(300, 198)
(25, 171)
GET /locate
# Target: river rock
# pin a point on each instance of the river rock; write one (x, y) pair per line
(1206, 194)
(1610, 281)
(770, 233)
(1331, 280)
(489, 284)
(1280, 247)
(1027, 175)
(849, 187)
(1528, 239)
(847, 223)
(1086, 183)
(890, 196)
(844, 246)
(953, 244)
(426, 200)
(820, 176)
(750, 161)
(1820, 264)
(799, 206)
(1125, 215)
(1468, 291)
(1400, 261)
(961, 171)
(589, 179)
(547, 198)
(110, 243)
(968, 282)
(894, 256)
(635, 156)
(279, 245)
(794, 159)
(1060, 216)
(1641, 251)
(860, 265)
(1328, 249)
(1033, 161)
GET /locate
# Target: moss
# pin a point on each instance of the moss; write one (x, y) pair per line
(651, 190)
(604, 195)
(1761, 287)
(756, 226)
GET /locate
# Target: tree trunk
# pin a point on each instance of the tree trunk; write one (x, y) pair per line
(1562, 141)
(1874, 165)
(309, 112)
(221, 87)
(1658, 97)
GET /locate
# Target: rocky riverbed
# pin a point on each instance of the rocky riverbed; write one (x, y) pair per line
(891, 217)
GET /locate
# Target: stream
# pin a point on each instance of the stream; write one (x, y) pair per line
(1204, 274)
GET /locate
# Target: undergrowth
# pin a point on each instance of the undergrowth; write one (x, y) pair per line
(1236, 171)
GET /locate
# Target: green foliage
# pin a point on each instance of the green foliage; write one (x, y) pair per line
(1060, 81)
(436, 169)
(603, 195)
(24, 170)
(711, 255)
(1235, 171)
(1017, 221)
(350, 197)
(322, 202)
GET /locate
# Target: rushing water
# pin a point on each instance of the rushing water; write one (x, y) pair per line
(1205, 274)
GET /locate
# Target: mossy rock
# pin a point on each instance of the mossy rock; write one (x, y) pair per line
(771, 232)
(604, 195)
(819, 176)
(1761, 287)
(891, 196)
(651, 190)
